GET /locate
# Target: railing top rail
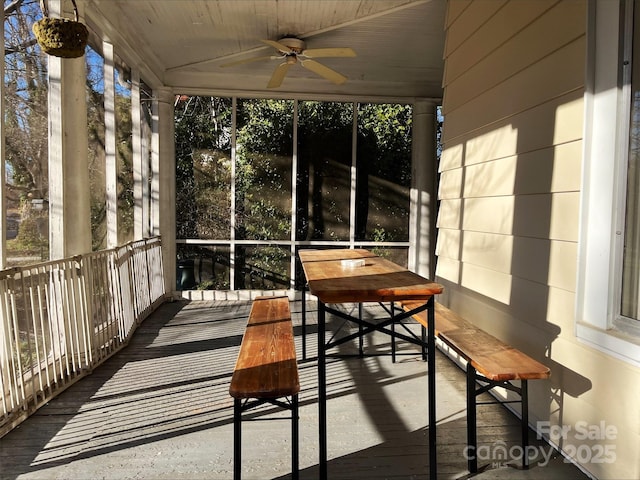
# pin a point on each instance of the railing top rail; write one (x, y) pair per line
(47, 265)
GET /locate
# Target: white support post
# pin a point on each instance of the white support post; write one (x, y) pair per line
(422, 219)
(69, 198)
(111, 159)
(69, 194)
(163, 189)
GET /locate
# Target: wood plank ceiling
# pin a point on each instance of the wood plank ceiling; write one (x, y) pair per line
(399, 43)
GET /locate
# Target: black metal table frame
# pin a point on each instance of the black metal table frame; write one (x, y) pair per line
(366, 328)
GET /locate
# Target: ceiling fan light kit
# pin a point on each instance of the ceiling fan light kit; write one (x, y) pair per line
(292, 49)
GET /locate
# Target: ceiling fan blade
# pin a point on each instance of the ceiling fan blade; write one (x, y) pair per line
(278, 46)
(324, 71)
(278, 75)
(328, 52)
(248, 60)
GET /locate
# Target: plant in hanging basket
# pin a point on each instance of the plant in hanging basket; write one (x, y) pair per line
(61, 37)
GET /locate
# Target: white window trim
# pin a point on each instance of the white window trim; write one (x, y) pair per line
(604, 169)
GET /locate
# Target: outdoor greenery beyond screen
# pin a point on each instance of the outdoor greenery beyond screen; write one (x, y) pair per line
(252, 199)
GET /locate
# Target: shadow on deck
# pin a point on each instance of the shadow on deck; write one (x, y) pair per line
(161, 409)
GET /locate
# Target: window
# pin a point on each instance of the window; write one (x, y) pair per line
(629, 305)
(257, 179)
(608, 300)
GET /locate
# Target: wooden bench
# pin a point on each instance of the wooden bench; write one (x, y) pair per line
(490, 363)
(266, 370)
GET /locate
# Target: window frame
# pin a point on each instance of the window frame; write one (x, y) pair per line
(603, 197)
(292, 243)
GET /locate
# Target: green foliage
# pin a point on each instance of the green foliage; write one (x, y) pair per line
(220, 282)
(265, 126)
(203, 168)
(390, 127)
(125, 200)
(263, 169)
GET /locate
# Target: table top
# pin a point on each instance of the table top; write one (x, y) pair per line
(378, 280)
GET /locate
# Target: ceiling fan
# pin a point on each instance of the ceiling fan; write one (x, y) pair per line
(290, 51)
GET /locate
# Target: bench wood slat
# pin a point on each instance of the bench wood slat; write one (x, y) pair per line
(490, 356)
(266, 365)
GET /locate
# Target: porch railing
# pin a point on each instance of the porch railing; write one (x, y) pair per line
(62, 318)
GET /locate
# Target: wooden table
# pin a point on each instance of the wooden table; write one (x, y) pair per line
(333, 281)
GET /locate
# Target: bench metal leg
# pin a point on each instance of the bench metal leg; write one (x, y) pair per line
(431, 380)
(393, 336)
(472, 403)
(524, 397)
(472, 439)
(295, 468)
(237, 437)
(239, 407)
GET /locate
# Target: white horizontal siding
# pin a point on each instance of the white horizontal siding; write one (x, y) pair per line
(510, 189)
(557, 121)
(551, 169)
(553, 76)
(521, 35)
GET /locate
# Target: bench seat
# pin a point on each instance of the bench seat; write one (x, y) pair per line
(267, 366)
(491, 357)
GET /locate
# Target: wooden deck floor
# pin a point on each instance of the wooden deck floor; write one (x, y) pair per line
(160, 409)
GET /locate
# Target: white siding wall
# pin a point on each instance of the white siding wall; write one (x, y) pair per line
(510, 198)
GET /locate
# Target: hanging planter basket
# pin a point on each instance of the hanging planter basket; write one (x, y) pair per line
(61, 37)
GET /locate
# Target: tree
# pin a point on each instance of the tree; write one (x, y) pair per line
(26, 123)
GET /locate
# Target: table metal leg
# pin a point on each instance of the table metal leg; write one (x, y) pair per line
(360, 337)
(303, 295)
(237, 438)
(431, 365)
(322, 393)
(393, 336)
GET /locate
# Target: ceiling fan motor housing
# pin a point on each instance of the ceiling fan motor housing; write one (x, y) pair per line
(293, 43)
